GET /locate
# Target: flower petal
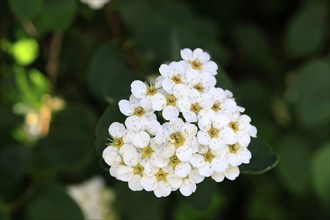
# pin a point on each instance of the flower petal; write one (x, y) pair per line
(139, 89)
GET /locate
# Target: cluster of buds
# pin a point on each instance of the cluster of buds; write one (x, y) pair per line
(179, 130)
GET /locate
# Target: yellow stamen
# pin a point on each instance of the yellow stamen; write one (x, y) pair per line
(213, 132)
(171, 100)
(196, 64)
(177, 79)
(138, 169)
(208, 156)
(138, 111)
(233, 148)
(195, 108)
(199, 87)
(174, 160)
(151, 90)
(216, 106)
(118, 142)
(234, 125)
(178, 139)
(146, 152)
(161, 175)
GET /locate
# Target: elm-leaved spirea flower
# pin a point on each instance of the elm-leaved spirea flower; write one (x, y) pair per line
(199, 132)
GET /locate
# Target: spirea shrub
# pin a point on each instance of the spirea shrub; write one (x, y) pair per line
(179, 130)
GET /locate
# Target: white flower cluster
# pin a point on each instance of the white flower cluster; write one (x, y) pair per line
(94, 199)
(95, 4)
(204, 134)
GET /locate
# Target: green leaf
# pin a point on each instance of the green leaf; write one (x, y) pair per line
(22, 157)
(312, 89)
(15, 162)
(141, 204)
(56, 16)
(25, 51)
(320, 173)
(263, 158)
(109, 75)
(295, 160)
(65, 150)
(185, 211)
(25, 10)
(76, 117)
(253, 45)
(51, 201)
(110, 115)
(307, 30)
(39, 82)
(202, 198)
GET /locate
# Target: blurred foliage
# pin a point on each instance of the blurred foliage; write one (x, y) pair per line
(64, 66)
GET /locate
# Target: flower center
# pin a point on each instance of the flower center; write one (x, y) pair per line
(118, 142)
(174, 160)
(138, 169)
(177, 79)
(161, 175)
(233, 148)
(195, 108)
(216, 106)
(199, 87)
(171, 99)
(196, 64)
(208, 156)
(138, 111)
(147, 152)
(151, 90)
(234, 125)
(178, 139)
(213, 132)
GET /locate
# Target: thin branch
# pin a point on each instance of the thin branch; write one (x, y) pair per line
(53, 58)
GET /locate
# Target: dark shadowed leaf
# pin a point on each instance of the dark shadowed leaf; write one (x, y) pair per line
(295, 160)
(63, 150)
(313, 86)
(50, 201)
(25, 10)
(56, 16)
(109, 75)
(320, 173)
(263, 158)
(202, 198)
(306, 31)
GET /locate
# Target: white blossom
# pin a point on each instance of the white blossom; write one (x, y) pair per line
(95, 4)
(171, 153)
(199, 60)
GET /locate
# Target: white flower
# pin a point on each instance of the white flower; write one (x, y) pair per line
(230, 173)
(173, 74)
(177, 155)
(242, 128)
(94, 199)
(207, 161)
(170, 109)
(156, 181)
(194, 105)
(149, 95)
(138, 116)
(215, 132)
(201, 82)
(199, 60)
(236, 154)
(180, 139)
(95, 4)
(223, 102)
(181, 169)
